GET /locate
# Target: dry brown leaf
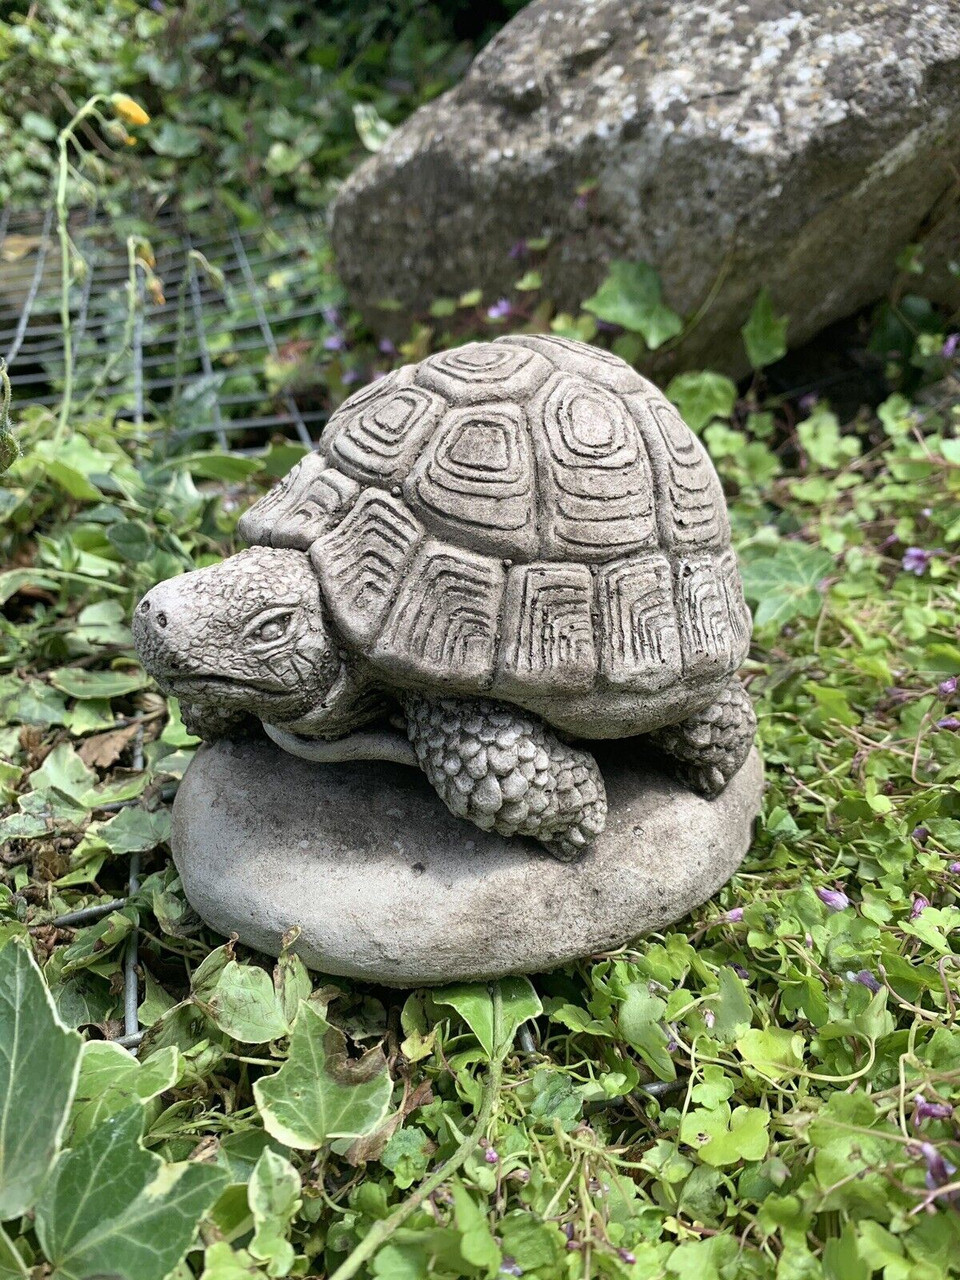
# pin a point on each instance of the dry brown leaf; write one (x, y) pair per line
(103, 749)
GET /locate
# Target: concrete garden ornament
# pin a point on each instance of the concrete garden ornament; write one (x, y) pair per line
(498, 556)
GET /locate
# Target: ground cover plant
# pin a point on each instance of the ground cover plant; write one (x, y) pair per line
(768, 1089)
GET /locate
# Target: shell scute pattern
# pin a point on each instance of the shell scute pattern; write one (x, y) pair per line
(639, 633)
(377, 441)
(362, 561)
(483, 371)
(691, 510)
(533, 516)
(551, 644)
(594, 476)
(474, 481)
(443, 624)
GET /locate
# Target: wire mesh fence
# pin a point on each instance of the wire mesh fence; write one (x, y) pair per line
(192, 322)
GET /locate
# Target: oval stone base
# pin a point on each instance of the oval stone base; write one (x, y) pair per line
(388, 886)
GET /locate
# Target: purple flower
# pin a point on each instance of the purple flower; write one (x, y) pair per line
(491, 1156)
(920, 904)
(709, 1018)
(920, 834)
(519, 250)
(740, 971)
(866, 979)
(948, 722)
(915, 560)
(386, 347)
(947, 687)
(925, 1110)
(508, 1267)
(580, 202)
(626, 1256)
(734, 916)
(835, 899)
(949, 348)
(331, 315)
(939, 1171)
(500, 310)
(809, 401)
(349, 377)
(954, 867)
(336, 342)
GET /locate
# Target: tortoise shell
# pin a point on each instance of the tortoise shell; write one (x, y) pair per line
(523, 518)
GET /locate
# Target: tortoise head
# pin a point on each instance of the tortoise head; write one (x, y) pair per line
(247, 637)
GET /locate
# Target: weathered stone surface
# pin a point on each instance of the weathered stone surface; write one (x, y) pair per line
(553, 553)
(388, 886)
(794, 143)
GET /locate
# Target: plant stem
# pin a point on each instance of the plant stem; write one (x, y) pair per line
(381, 1231)
(63, 167)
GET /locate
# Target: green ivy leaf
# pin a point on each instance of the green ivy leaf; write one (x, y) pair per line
(111, 1208)
(319, 1094)
(39, 1062)
(630, 296)
(701, 397)
(12, 1265)
(112, 1080)
(765, 333)
(783, 582)
(240, 998)
(274, 1199)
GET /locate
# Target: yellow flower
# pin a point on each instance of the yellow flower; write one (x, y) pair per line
(129, 111)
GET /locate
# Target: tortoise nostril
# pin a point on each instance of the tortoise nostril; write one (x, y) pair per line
(144, 606)
(161, 619)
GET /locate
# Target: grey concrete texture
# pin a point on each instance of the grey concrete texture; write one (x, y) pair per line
(386, 885)
(797, 144)
(506, 538)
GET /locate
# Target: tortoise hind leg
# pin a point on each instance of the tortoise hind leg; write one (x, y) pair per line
(503, 770)
(711, 745)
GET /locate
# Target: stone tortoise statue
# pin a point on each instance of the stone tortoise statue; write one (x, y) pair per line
(514, 546)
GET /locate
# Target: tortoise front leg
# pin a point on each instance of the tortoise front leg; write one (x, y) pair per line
(711, 745)
(503, 770)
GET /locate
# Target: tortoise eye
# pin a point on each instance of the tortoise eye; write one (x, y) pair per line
(273, 629)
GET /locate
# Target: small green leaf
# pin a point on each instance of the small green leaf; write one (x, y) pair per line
(131, 539)
(373, 130)
(477, 1244)
(774, 1053)
(701, 397)
(407, 1156)
(641, 1024)
(474, 1003)
(111, 1208)
(39, 1062)
(764, 334)
(274, 1199)
(75, 682)
(630, 296)
(319, 1094)
(721, 1137)
(240, 998)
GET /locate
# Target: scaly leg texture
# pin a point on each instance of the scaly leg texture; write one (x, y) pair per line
(710, 746)
(502, 769)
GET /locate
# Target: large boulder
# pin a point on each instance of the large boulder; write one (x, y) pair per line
(797, 144)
